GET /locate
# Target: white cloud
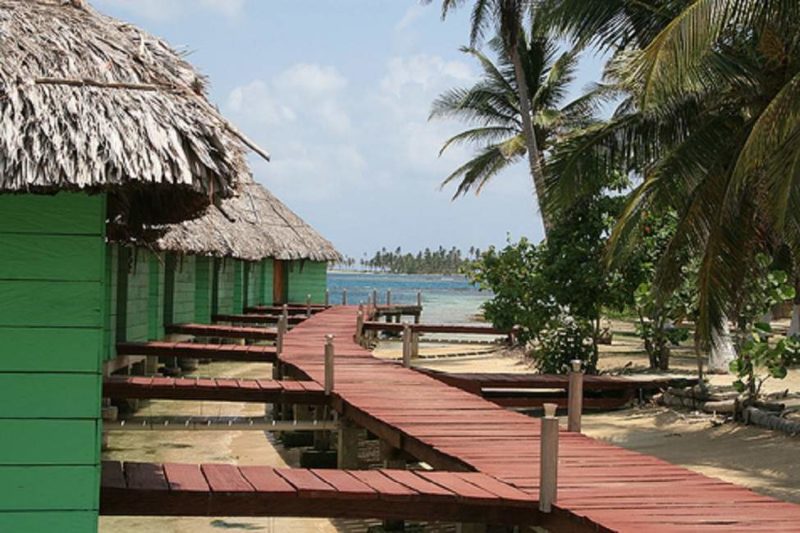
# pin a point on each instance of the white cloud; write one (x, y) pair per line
(427, 71)
(308, 93)
(162, 10)
(412, 13)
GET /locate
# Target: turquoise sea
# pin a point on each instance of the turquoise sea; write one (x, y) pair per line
(446, 299)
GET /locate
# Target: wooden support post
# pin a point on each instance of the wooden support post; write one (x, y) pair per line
(375, 297)
(407, 346)
(308, 305)
(419, 298)
(285, 313)
(344, 296)
(347, 445)
(393, 459)
(327, 297)
(575, 401)
(282, 326)
(414, 345)
(328, 364)
(360, 328)
(388, 297)
(548, 459)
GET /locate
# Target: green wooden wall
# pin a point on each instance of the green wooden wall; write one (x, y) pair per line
(54, 326)
(265, 282)
(230, 287)
(180, 289)
(204, 271)
(307, 277)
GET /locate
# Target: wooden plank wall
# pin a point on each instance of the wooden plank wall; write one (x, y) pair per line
(225, 281)
(183, 299)
(265, 274)
(54, 330)
(307, 277)
(204, 268)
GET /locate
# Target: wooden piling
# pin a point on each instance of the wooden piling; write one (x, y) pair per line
(575, 397)
(327, 297)
(388, 297)
(360, 326)
(282, 326)
(407, 345)
(548, 459)
(329, 353)
(308, 305)
(419, 298)
(375, 297)
(344, 296)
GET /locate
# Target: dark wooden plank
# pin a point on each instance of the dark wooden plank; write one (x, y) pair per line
(145, 476)
(112, 476)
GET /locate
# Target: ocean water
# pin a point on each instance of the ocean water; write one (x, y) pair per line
(446, 299)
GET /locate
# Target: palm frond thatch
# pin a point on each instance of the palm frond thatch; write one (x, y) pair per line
(89, 102)
(251, 225)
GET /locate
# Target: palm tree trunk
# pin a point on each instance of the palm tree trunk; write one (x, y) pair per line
(722, 349)
(534, 155)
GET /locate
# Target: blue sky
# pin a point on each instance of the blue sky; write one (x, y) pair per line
(339, 91)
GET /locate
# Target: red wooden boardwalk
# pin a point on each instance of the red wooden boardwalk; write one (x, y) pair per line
(252, 318)
(228, 490)
(217, 389)
(534, 390)
(218, 352)
(222, 331)
(600, 485)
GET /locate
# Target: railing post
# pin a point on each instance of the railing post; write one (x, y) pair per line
(375, 298)
(281, 333)
(344, 296)
(285, 313)
(548, 458)
(388, 297)
(419, 298)
(414, 344)
(327, 297)
(407, 345)
(575, 397)
(308, 305)
(360, 325)
(329, 352)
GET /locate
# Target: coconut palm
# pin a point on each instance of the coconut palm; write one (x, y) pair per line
(711, 123)
(507, 18)
(492, 108)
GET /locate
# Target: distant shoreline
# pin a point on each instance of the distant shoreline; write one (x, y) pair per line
(367, 272)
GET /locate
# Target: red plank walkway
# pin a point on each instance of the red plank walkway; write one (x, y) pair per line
(600, 485)
(533, 390)
(217, 352)
(228, 490)
(217, 389)
(252, 318)
(222, 331)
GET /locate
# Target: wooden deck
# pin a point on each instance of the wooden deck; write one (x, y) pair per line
(252, 318)
(534, 390)
(223, 332)
(227, 490)
(215, 352)
(601, 486)
(229, 390)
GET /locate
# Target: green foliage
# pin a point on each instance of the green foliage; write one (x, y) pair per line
(709, 117)
(659, 314)
(563, 340)
(556, 291)
(758, 356)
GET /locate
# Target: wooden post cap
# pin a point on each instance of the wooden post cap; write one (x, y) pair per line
(576, 365)
(550, 410)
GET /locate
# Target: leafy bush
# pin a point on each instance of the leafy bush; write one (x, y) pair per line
(562, 341)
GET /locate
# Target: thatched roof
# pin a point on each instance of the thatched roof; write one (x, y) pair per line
(87, 101)
(251, 225)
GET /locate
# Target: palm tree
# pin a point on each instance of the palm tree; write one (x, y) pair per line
(508, 18)
(492, 107)
(712, 124)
